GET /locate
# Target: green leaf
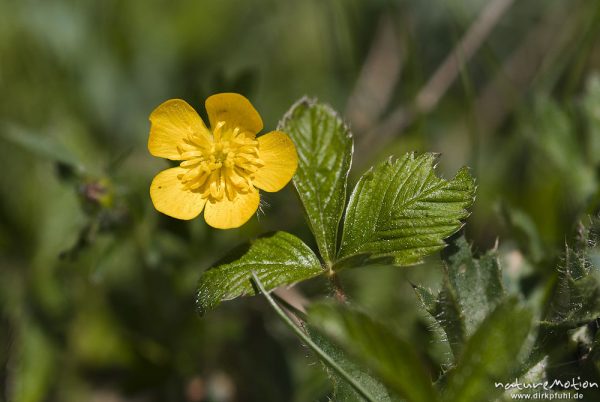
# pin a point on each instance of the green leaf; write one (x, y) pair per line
(342, 391)
(491, 355)
(477, 283)
(324, 146)
(574, 302)
(576, 295)
(472, 288)
(392, 359)
(426, 297)
(536, 374)
(280, 259)
(402, 211)
(446, 312)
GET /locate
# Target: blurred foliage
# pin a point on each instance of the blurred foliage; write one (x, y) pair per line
(97, 289)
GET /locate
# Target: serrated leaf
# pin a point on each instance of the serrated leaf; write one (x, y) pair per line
(324, 146)
(576, 295)
(392, 359)
(342, 391)
(426, 297)
(445, 310)
(280, 259)
(574, 302)
(491, 355)
(471, 289)
(477, 283)
(402, 211)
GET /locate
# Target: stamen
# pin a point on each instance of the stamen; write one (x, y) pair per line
(192, 154)
(218, 131)
(223, 165)
(191, 162)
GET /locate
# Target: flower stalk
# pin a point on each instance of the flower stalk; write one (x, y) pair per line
(309, 342)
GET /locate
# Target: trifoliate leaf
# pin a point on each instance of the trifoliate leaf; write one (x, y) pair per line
(401, 211)
(280, 259)
(491, 355)
(324, 146)
(391, 358)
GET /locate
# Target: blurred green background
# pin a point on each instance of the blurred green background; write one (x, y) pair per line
(97, 288)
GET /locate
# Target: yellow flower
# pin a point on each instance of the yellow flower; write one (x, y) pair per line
(222, 168)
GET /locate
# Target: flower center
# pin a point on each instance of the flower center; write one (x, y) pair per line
(221, 166)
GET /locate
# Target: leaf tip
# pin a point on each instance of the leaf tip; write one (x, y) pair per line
(304, 101)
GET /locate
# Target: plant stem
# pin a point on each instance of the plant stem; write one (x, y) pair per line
(301, 315)
(309, 342)
(336, 287)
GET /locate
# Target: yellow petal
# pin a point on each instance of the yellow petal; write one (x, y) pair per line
(171, 123)
(226, 214)
(278, 153)
(235, 110)
(170, 198)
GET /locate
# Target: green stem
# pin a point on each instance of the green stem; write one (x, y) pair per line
(309, 342)
(298, 313)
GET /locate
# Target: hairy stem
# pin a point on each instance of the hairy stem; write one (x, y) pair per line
(309, 342)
